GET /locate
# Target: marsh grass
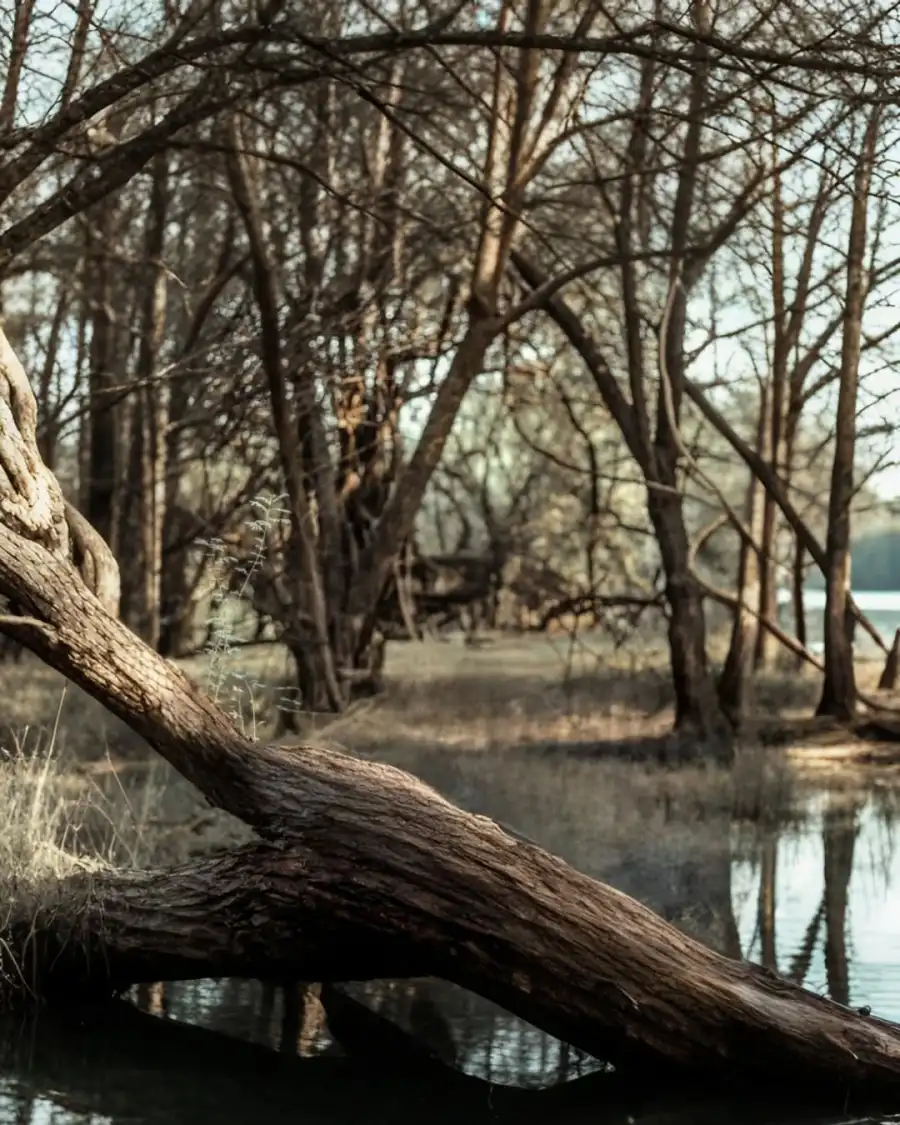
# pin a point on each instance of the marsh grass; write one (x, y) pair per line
(512, 694)
(43, 810)
(546, 736)
(63, 817)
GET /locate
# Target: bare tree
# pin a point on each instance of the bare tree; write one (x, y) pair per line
(839, 688)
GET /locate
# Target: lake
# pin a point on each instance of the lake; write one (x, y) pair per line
(882, 607)
(811, 888)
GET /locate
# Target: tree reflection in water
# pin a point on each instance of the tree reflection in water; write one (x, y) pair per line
(789, 890)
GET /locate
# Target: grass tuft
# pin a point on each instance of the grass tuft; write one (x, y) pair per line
(44, 809)
(63, 817)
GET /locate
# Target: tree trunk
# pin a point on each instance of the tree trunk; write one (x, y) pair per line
(49, 404)
(311, 681)
(363, 871)
(103, 416)
(771, 443)
(303, 578)
(698, 715)
(839, 692)
(839, 695)
(697, 707)
(145, 489)
(797, 595)
(176, 630)
(888, 679)
(746, 630)
(153, 416)
(764, 650)
(368, 895)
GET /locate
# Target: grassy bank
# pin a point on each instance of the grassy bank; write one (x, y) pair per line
(512, 692)
(542, 734)
(545, 738)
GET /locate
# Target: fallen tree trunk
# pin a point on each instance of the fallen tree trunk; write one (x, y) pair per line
(365, 897)
(364, 870)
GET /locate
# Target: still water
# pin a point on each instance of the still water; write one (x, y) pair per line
(810, 888)
(882, 607)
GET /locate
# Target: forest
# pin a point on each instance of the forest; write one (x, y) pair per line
(352, 331)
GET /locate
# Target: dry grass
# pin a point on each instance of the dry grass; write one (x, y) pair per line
(537, 732)
(537, 735)
(512, 693)
(44, 809)
(62, 817)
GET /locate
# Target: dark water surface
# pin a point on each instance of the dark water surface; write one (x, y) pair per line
(811, 888)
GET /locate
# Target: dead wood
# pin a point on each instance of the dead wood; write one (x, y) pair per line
(363, 896)
(365, 872)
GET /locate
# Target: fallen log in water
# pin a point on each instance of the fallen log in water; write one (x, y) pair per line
(363, 871)
(504, 919)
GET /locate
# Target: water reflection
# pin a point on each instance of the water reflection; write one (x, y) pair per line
(461, 1029)
(806, 889)
(825, 889)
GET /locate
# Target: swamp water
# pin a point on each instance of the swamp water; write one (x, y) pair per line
(811, 887)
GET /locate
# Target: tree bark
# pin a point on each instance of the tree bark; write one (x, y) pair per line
(697, 709)
(100, 489)
(839, 694)
(697, 712)
(798, 601)
(746, 630)
(145, 489)
(304, 578)
(364, 871)
(772, 418)
(364, 898)
(888, 678)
